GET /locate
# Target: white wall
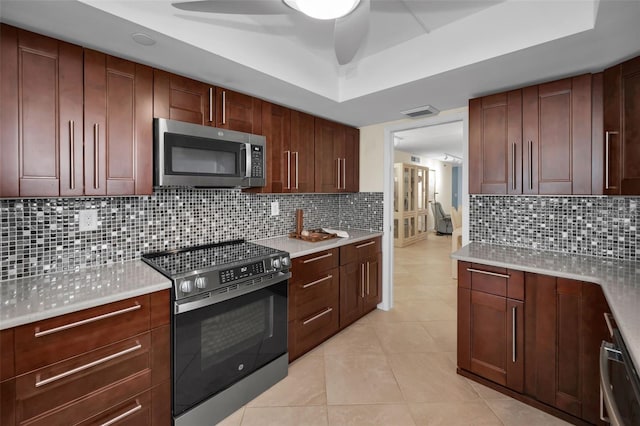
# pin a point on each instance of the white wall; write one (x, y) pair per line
(443, 182)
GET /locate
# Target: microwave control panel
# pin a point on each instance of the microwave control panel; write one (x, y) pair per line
(257, 161)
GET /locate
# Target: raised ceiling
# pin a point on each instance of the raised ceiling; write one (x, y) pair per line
(432, 141)
(417, 52)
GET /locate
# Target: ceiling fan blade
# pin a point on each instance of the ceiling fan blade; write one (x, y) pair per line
(235, 7)
(350, 31)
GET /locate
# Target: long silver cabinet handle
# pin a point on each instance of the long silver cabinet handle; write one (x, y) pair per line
(296, 154)
(344, 173)
(513, 166)
(288, 169)
(368, 267)
(608, 318)
(72, 149)
(362, 280)
(210, 104)
(315, 317)
(224, 107)
(324, 256)
(116, 419)
(606, 396)
(87, 366)
(495, 274)
(338, 174)
(531, 165)
(311, 284)
(365, 244)
(96, 148)
(87, 321)
(514, 310)
(607, 151)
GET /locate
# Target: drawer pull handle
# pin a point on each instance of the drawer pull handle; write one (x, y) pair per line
(86, 366)
(365, 244)
(86, 321)
(311, 284)
(494, 274)
(315, 317)
(324, 256)
(116, 419)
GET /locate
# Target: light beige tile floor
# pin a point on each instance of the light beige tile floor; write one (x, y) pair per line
(392, 368)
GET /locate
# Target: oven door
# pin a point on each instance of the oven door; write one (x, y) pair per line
(217, 345)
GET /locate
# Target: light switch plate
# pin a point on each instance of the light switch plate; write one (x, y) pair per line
(275, 208)
(88, 220)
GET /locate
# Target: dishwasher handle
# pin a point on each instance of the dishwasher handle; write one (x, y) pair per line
(608, 351)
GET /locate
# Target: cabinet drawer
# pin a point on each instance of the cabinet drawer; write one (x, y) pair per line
(52, 340)
(358, 251)
(493, 280)
(313, 264)
(309, 296)
(135, 412)
(314, 329)
(85, 377)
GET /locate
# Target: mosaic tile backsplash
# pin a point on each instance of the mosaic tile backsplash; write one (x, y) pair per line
(592, 226)
(40, 236)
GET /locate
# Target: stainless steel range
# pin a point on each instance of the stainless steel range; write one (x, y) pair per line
(229, 326)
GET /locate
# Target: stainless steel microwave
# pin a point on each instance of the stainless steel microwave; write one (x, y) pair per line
(192, 155)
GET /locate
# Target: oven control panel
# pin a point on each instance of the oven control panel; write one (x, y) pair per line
(240, 272)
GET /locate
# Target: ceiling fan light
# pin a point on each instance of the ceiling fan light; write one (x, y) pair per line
(324, 9)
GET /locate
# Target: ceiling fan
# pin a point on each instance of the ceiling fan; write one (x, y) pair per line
(351, 17)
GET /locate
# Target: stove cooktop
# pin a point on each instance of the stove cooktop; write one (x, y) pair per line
(211, 257)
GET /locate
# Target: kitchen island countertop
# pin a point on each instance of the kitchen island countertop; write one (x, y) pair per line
(619, 279)
(31, 299)
(298, 248)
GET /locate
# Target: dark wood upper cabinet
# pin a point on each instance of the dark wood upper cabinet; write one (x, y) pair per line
(495, 144)
(118, 126)
(276, 127)
(622, 128)
(336, 157)
(237, 111)
(41, 121)
(183, 99)
(302, 152)
(556, 120)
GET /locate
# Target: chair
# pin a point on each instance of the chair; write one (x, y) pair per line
(443, 221)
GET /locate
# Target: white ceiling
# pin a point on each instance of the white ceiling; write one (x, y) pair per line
(431, 141)
(418, 51)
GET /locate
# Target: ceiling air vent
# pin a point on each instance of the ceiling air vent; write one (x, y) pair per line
(423, 111)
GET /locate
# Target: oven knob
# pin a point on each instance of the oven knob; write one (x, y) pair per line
(275, 263)
(201, 282)
(186, 286)
(286, 262)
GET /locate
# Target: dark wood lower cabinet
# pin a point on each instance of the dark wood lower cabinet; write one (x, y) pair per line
(558, 328)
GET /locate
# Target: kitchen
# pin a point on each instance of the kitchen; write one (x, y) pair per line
(42, 237)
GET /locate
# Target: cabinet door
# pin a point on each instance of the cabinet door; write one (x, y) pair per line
(118, 126)
(351, 292)
(41, 121)
(302, 151)
(329, 145)
(351, 160)
(180, 98)
(237, 111)
(373, 283)
(495, 144)
(8, 402)
(630, 109)
(612, 130)
(276, 128)
(557, 137)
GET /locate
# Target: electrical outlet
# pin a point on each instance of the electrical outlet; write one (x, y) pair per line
(275, 208)
(88, 220)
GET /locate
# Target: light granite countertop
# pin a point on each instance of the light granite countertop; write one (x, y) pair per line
(26, 300)
(298, 248)
(620, 280)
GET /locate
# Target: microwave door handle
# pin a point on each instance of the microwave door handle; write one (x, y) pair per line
(247, 152)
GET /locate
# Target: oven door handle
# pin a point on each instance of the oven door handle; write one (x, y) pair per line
(180, 307)
(606, 395)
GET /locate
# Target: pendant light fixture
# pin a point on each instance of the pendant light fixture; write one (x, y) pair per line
(323, 9)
